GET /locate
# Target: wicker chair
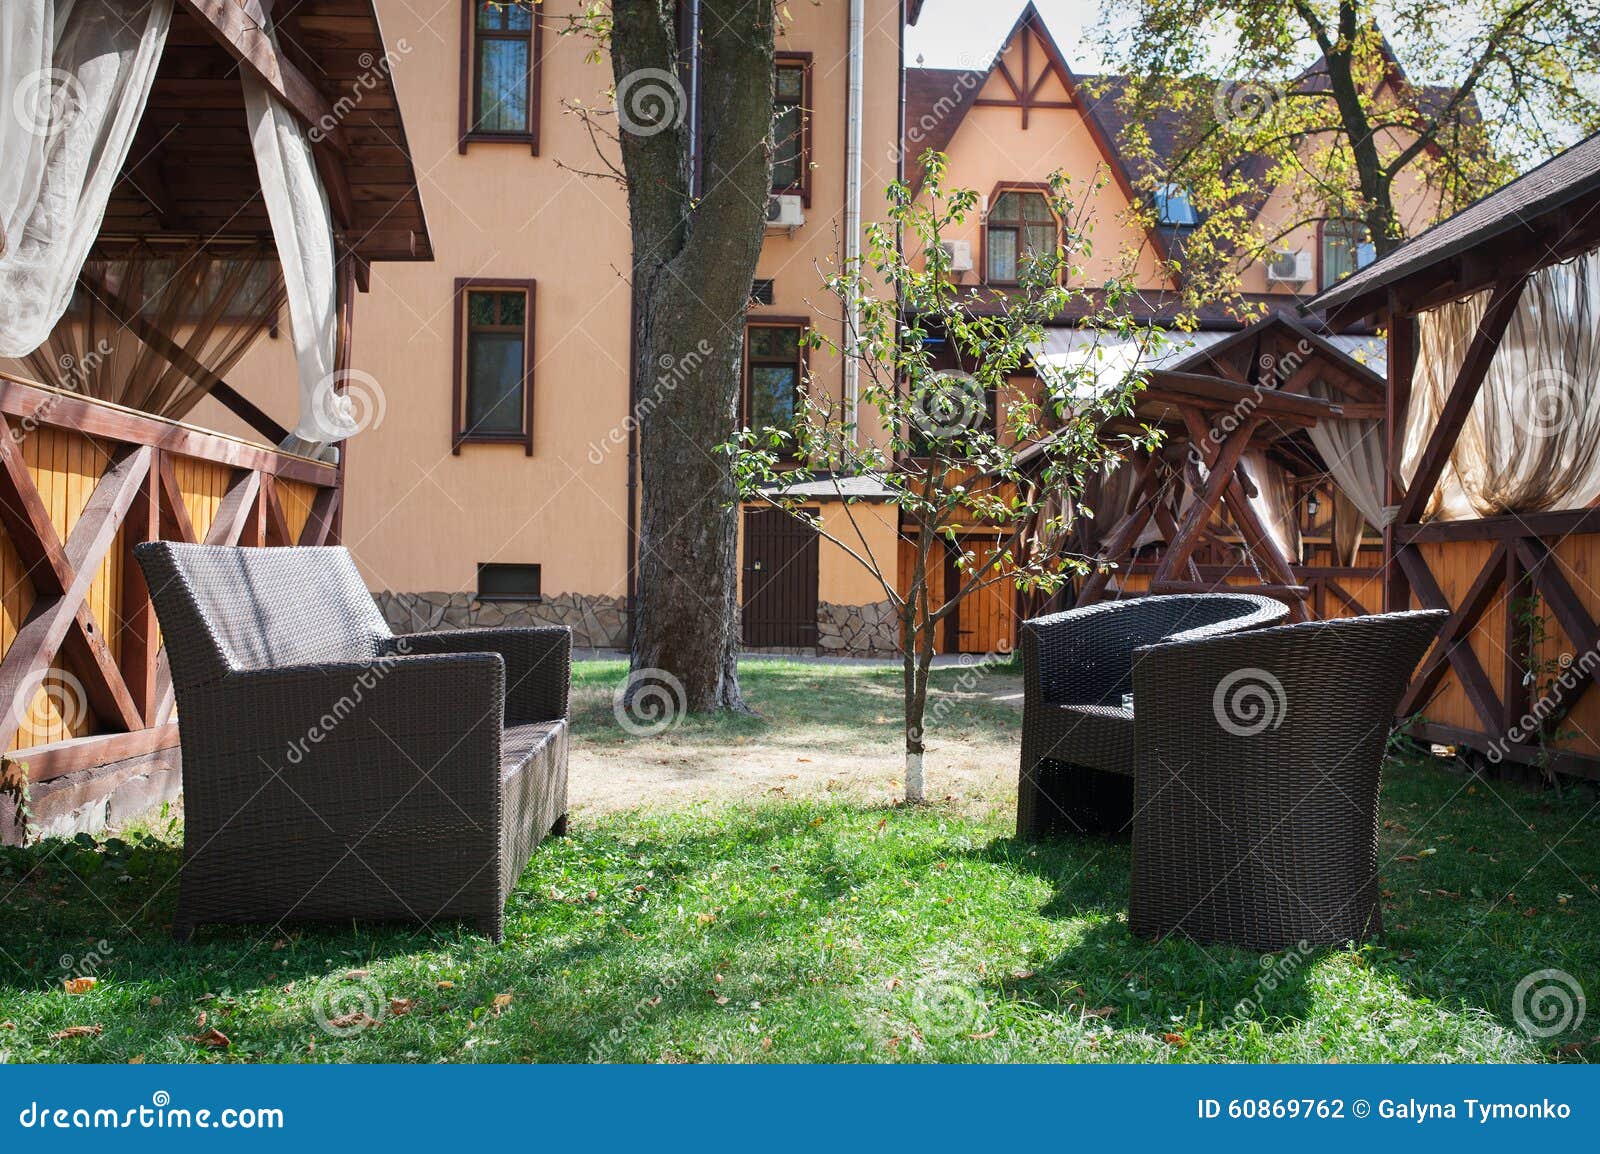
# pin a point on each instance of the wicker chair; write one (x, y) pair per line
(333, 771)
(1256, 818)
(1077, 734)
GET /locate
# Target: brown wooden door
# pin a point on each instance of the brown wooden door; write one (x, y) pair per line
(986, 618)
(780, 580)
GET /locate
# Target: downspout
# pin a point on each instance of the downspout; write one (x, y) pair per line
(852, 205)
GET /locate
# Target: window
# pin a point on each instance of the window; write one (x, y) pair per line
(1173, 207)
(493, 393)
(1020, 225)
(791, 127)
(498, 581)
(774, 368)
(1346, 246)
(500, 44)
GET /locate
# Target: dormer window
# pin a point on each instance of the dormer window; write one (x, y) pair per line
(1173, 207)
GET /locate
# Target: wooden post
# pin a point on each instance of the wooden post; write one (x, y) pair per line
(1402, 354)
(140, 639)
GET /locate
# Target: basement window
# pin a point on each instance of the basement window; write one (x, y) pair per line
(498, 581)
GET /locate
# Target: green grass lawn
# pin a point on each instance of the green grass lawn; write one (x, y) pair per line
(821, 931)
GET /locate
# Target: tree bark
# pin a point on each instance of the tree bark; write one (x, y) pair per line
(693, 267)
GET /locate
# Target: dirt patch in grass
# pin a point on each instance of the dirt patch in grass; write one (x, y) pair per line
(817, 731)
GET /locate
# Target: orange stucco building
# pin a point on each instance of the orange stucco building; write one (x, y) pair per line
(492, 482)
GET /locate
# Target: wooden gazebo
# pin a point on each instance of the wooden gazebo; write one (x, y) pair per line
(1188, 521)
(1512, 673)
(86, 708)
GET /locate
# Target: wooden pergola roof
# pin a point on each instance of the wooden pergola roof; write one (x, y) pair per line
(1546, 215)
(191, 173)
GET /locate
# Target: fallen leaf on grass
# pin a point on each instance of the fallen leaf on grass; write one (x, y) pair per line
(1175, 1040)
(893, 984)
(200, 1022)
(357, 975)
(1102, 1012)
(77, 1032)
(705, 919)
(155, 1001)
(400, 1007)
(8, 1025)
(213, 1038)
(501, 1001)
(136, 1060)
(441, 985)
(79, 985)
(1408, 857)
(987, 1034)
(355, 1020)
(720, 999)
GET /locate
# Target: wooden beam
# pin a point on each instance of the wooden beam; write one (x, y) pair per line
(59, 758)
(319, 523)
(249, 412)
(140, 639)
(276, 530)
(1204, 508)
(33, 403)
(174, 511)
(237, 507)
(1469, 380)
(1452, 642)
(248, 43)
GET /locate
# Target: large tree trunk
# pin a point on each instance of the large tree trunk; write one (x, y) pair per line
(693, 266)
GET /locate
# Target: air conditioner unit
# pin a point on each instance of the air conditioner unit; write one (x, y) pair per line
(1291, 266)
(960, 254)
(785, 211)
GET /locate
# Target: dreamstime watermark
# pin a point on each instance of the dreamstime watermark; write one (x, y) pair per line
(348, 1004)
(347, 703)
(48, 703)
(920, 131)
(1548, 1002)
(1244, 106)
(1550, 402)
(75, 374)
(650, 702)
(47, 101)
(1273, 371)
(632, 1021)
(160, 1114)
(1249, 701)
(952, 402)
(651, 101)
(975, 669)
(942, 1008)
(373, 70)
(75, 970)
(1276, 969)
(348, 402)
(673, 372)
(1531, 724)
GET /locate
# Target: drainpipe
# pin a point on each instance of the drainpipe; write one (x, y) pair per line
(852, 201)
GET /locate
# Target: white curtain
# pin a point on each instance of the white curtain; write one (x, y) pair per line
(76, 75)
(1352, 450)
(1274, 503)
(302, 226)
(1532, 440)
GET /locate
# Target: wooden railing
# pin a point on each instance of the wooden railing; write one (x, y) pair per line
(1522, 596)
(83, 682)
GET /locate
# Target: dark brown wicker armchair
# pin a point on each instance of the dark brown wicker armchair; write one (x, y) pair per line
(333, 771)
(1256, 811)
(1077, 733)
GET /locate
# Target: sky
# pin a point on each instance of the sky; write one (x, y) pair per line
(967, 33)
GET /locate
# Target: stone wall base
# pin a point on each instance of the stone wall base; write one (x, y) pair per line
(596, 622)
(858, 630)
(89, 800)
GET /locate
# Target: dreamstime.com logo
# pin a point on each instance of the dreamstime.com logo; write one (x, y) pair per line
(1547, 1003)
(348, 1004)
(650, 101)
(46, 102)
(160, 1114)
(49, 703)
(650, 702)
(1243, 106)
(946, 1009)
(951, 403)
(1249, 701)
(348, 402)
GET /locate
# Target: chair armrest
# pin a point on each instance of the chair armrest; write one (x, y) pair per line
(538, 664)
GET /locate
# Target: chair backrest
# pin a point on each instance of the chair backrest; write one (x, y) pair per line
(1086, 654)
(223, 608)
